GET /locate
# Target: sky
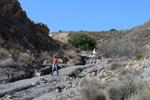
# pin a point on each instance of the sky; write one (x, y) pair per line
(87, 15)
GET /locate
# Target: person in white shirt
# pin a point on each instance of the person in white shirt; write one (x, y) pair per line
(95, 53)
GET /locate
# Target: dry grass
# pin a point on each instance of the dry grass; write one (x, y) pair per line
(42, 56)
(91, 90)
(6, 58)
(4, 54)
(71, 53)
(146, 54)
(115, 66)
(130, 90)
(114, 93)
(116, 49)
(24, 57)
(143, 92)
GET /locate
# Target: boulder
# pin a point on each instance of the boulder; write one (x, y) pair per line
(44, 70)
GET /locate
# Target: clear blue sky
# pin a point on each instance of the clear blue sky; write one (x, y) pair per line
(87, 15)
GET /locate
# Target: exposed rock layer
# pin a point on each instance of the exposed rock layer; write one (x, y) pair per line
(18, 31)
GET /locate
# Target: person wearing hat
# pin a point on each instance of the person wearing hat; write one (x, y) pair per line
(55, 62)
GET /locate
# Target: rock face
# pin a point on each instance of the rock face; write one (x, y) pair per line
(11, 74)
(18, 31)
(22, 39)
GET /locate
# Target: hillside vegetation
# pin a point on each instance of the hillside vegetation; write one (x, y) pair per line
(114, 43)
(26, 53)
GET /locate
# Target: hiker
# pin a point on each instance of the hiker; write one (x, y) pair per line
(95, 54)
(55, 66)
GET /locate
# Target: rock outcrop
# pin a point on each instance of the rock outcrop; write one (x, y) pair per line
(18, 31)
(18, 34)
(11, 74)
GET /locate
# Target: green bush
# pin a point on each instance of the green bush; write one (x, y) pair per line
(60, 31)
(138, 56)
(113, 30)
(82, 41)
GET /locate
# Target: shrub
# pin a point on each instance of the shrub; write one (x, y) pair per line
(24, 57)
(71, 53)
(42, 56)
(128, 89)
(123, 91)
(60, 31)
(90, 90)
(144, 93)
(114, 93)
(82, 41)
(116, 49)
(4, 54)
(115, 66)
(113, 30)
(138, 56)
(146, 54)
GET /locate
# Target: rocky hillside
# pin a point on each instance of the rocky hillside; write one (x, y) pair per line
(138, 35)
(23, 74)
(18, 31)
(81, 82)
(24, 45)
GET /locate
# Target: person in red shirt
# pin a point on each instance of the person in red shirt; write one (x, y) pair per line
(55, 62)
